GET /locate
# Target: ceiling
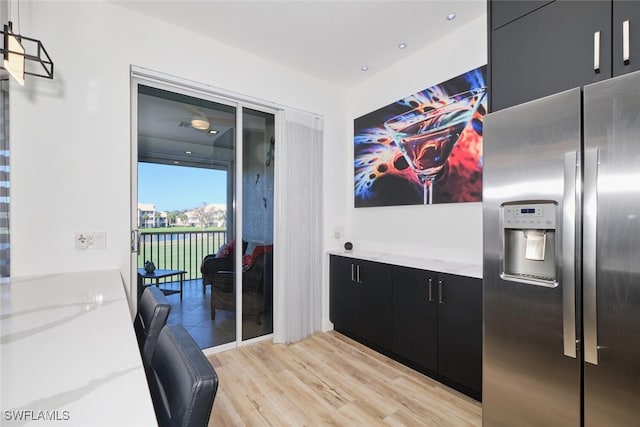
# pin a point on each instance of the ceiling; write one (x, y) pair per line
(328, 39)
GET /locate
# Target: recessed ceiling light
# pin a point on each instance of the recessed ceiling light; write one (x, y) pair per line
(212, 131)
(451, 16)
(402, 45)
(175, 162)
(364, 68)
(187, 152)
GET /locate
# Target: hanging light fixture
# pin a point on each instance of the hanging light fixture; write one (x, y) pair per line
(17, 50)
(200, 123)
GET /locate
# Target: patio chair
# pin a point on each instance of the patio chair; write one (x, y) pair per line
(256, 288)
(221, 261)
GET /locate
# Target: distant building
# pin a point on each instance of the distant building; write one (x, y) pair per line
(207, 215)
(203, 216)
(146, 215)
(149, 217)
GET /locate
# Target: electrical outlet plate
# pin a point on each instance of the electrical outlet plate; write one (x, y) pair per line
(90, 240)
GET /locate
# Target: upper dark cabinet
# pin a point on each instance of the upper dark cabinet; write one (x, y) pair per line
(504, 12)
(629, 12)
(538, 49)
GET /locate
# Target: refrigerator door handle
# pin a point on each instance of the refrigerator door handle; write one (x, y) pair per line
(590, 319)
(569, 254)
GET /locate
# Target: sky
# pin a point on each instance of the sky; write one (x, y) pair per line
(170, 187)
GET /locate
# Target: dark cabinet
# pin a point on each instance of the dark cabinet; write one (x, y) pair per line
(460, 330)
(626, 36)
(437, 323)
(503, 12)
(360, 299)
(430, 320)
(415, 316)
(557, 46)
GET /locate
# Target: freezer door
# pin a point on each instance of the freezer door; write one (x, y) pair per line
(527, 378)
(612, 252)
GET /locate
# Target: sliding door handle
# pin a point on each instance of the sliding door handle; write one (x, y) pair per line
(571, 169)
(626, 55)
(589, 251)
(358, 273)
(596, 52)
(440, 298)
(353, 274)
(135, 241)
(430, 290)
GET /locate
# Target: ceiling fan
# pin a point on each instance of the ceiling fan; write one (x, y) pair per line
(200, 121)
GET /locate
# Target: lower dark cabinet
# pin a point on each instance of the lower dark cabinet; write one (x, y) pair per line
(360, 299)
(460, 330)
(437, 324)
(429, 320)
(415, 316)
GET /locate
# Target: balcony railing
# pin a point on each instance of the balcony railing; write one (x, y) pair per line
(179, 250)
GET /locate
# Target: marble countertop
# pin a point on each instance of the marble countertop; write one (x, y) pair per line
(442, 266)
(69, 354)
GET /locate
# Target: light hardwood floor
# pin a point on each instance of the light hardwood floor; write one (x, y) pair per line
(329, 379)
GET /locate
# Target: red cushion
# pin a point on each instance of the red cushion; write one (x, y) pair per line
(226, 249)
(223, 251)
(250, 259)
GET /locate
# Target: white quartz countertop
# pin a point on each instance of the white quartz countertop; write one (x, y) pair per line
(442, 266)
(69, 354)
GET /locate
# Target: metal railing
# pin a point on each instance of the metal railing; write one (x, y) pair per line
(179, 250)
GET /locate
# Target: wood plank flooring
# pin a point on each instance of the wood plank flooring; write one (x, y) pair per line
(329, 379)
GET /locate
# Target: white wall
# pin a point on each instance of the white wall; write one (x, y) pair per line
(444, 231)
(70, 142)
(70, 137)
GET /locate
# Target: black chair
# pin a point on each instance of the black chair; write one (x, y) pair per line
(153, 311)
(182, 382)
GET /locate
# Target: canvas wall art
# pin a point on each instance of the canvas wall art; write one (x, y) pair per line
(425, 148)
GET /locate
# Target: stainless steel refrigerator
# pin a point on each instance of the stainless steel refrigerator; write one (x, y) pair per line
(561, 214)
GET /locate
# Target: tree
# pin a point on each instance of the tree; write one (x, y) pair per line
(171, 217)
(203, 215)
(156, 216)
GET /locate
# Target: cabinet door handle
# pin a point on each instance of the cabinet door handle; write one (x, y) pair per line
(440, 299)
(358, 273)
(596, 52)
(353, 274)
(625, 42)
(430, 290)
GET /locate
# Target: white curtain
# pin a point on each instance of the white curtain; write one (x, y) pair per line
(298, 254)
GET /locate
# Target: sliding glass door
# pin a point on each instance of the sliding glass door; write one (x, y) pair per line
(258, 151)
(202, 208)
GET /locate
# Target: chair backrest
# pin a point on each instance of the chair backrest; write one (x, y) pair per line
(182, 382)
(253, 280)
(153, 311)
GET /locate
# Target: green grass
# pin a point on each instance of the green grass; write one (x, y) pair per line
(180, 229)
(181, 254)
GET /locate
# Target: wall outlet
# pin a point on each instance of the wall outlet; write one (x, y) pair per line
(338, 232)
(90, 240)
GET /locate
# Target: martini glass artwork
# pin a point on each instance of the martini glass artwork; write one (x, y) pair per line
(426, 135)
